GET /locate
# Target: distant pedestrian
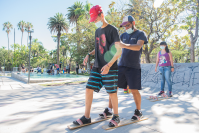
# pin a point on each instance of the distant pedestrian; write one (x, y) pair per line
(166, 66)
(77, 67)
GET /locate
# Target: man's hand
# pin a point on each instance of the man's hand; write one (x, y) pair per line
(105, 69)
(85, 60)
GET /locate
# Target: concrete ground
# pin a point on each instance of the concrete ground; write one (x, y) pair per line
(36, 109)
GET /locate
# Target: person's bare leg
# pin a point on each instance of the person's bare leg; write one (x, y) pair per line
(88, 101)
(137, 98)
(114, 101)
(110, 103)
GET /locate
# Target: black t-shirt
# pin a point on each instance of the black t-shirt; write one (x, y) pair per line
(130, 58)
(105, 39)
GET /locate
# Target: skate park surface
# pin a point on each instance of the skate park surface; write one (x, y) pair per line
(38, 109)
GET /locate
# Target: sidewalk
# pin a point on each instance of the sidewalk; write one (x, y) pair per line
(36, 109)
(9, 83)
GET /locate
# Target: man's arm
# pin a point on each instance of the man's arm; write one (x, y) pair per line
(135, 47)
(106, 68)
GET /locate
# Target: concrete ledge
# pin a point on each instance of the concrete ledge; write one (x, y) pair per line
(25, 79)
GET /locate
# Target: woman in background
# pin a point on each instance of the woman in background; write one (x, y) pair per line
(166, 66)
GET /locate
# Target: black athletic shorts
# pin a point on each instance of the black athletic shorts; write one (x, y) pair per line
(97, 81)
(129, 76)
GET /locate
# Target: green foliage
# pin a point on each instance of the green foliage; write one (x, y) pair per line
(86, 37)
(159, 24)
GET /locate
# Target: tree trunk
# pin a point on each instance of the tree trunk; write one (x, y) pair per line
(22, 39)
(192, 57)
(8, 46)
(146, 53)
(27, 41)
(147, 58)
(77, 31)
(58, 47)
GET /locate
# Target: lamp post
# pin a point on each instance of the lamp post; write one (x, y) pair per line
(4, 67)
(29, 31)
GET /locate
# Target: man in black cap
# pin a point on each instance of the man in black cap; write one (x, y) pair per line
(129, 70)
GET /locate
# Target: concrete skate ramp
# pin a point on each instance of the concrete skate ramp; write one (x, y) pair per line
(185, 78)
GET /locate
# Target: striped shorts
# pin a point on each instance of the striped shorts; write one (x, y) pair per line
(96, 81)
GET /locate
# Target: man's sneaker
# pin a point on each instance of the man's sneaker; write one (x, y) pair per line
(82, 121)
(137, 115)
(114, 122)
(161, 92)
(170, 94)
(106, 113)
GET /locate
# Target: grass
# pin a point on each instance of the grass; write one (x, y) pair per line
(64, 83)
(83, 74)
(8, 75)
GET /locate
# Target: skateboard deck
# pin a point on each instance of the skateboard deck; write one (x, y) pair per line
(158, 98)
(123, 123)
(73, 126)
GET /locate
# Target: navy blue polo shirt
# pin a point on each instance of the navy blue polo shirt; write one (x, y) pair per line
(130, 58)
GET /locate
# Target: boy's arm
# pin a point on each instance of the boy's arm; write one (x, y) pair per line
(87, 56)
(93, 52)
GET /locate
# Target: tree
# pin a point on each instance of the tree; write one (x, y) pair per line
(192, 24)
(115, 16)
(37, 47)
(157, 23)
(7, 26)
(87, 9)
(21, 25)
(74, 12)
(179, 46)
(86, 37)
(19, 57)
(58, 24)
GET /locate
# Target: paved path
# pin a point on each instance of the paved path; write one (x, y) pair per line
(9, 83)
(36, 109)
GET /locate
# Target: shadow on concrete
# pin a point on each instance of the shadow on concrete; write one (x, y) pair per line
(50, 110)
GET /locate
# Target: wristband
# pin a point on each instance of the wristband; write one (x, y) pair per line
(107, 65)
(172, 67)
(88, 54)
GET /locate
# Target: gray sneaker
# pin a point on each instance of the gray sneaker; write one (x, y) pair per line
(170, 94)
(114, 122)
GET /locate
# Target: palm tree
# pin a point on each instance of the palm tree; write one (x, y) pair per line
(74, 12)
(87, 9)
(28, 26)
(7, 26)
(58, 24)
(21, 25)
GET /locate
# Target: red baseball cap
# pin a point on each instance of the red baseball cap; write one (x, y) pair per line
(94, 11)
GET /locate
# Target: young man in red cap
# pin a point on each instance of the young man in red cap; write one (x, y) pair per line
(105, 69)
(129, 64)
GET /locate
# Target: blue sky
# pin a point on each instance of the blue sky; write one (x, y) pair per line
(37, 12)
